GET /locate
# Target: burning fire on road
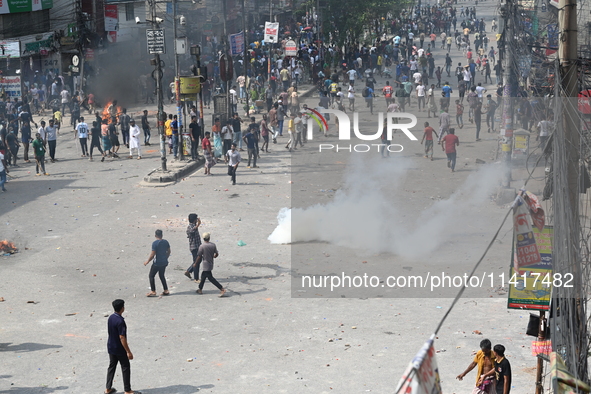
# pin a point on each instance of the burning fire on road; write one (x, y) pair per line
(8, 247)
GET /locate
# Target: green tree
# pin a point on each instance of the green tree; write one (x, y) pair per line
(345, 20)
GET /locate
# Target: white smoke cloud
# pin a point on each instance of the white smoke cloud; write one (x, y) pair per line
(368, 214)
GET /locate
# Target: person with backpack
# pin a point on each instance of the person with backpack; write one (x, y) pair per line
(368, 94)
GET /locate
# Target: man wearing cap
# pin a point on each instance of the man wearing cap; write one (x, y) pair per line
(207, 252)
(134, 139)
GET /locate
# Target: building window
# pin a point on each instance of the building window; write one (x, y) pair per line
(129, 12)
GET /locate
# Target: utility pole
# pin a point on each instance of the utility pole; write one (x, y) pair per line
(157, 76)
(567, 54)
(509, 85)
(246, 62)
(177, 81)
(228, 59)
(270, 45)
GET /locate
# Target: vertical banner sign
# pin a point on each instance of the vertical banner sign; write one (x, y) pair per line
(530, 288)
(422, 374)
(271, 32)
(236, 43)
(526, 250)
(111, 18)
(552, 38)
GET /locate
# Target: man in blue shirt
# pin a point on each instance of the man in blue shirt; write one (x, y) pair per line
(159, 255)
(447, 90)
(118, 349)
(175, 136)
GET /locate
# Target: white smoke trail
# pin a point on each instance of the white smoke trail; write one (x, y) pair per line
(366, 214)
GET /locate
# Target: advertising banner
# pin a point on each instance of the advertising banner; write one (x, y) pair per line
(11, 85)
(271, 32)
(236, 43)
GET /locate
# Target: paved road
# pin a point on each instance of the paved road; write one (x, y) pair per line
(84, 231)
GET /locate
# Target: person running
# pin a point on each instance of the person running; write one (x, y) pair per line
(159, 257)
(448, 145)
(431, 102)
(206, 254)
(428, 139)
(194, 243)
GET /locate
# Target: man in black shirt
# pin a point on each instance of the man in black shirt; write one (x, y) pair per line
(195, 136)
(118, 349)
(114, 136)
(502, 370)
(146, 127)
(95, 142)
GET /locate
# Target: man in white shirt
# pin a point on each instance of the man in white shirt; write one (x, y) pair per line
(233, 159)
(421, 95)
(82, 131)
(65, 100)
(42, 133)
(227, 137)
(480, 90)
(352, 75)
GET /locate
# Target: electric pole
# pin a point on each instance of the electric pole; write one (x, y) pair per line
(509, 84)
(568, 56)
(244, 35)
(157, 76)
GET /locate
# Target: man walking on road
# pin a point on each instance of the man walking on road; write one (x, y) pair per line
(118, 349)
(448, 144)
(484, 361)
(428, 138)
(233, 159)
(194, 243)
(207, 252)
(39, 151)
(160, 253)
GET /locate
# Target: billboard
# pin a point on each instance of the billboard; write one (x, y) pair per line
(14, 6)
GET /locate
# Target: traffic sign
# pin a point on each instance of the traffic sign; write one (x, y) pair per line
(155, 38)
(291, 48)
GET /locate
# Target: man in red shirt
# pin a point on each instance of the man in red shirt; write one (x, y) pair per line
(428, 138)
(448, 144)
(387, 92)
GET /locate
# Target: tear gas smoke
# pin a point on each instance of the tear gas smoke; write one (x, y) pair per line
(368, 214)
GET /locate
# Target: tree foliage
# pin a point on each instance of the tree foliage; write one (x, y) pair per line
(346, 20)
